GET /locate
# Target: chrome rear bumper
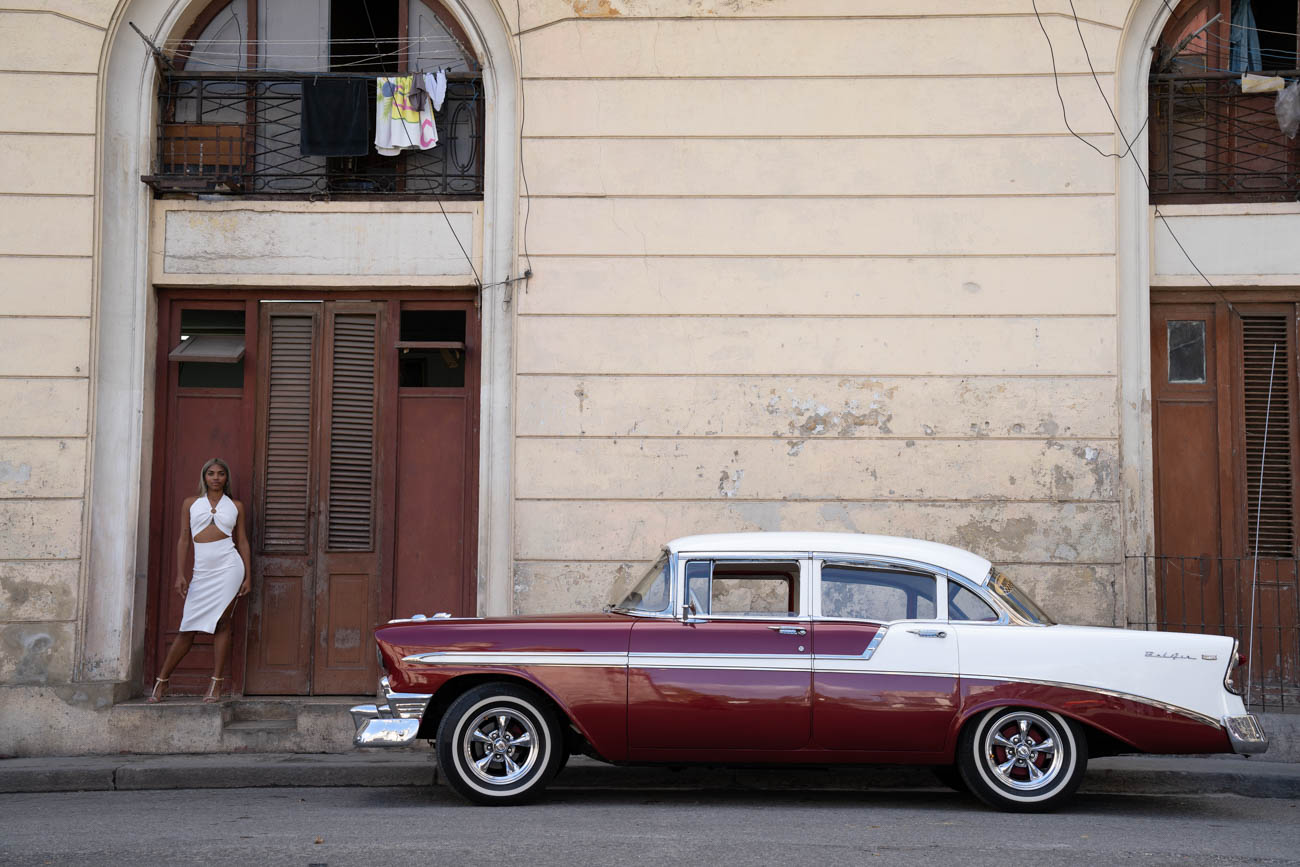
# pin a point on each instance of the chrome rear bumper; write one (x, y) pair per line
(1246, 734)
(392, 721)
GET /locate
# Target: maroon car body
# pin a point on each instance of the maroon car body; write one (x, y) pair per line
(800, 672)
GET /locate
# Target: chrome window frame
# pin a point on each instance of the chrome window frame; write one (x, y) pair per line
(941, 576)
(801, 558)
(673, 612)
(1004, 615)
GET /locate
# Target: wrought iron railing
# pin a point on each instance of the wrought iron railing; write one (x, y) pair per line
(239, 133)
(1212, 595)
(1210, 142)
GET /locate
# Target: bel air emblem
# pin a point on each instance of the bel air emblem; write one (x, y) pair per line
(1209, 657)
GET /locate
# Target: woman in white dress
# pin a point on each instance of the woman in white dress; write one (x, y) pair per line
(221, 574)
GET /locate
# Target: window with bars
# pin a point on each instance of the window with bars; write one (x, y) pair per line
(232, 104)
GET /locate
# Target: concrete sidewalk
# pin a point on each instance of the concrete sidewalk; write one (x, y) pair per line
(416, 767)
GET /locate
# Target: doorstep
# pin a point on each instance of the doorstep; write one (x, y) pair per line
(252, 724)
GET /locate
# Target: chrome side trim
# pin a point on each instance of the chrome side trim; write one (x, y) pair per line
(1172, 708)
(1246, 734)
(509, 657)
(722, 661)
(847, 665)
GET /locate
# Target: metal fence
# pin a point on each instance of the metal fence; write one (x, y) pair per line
(1210, 142)
(239, 133)
(1212, 595)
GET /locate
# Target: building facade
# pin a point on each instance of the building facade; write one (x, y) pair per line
(674, 266)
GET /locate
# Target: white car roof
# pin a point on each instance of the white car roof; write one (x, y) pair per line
(964, 563)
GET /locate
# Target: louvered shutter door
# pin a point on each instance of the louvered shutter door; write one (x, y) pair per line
(352, 434)
(1272, 515)
(288, 435)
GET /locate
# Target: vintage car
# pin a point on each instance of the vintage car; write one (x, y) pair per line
(809, 649)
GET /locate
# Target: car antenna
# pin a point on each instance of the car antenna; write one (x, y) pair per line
(1259, 501)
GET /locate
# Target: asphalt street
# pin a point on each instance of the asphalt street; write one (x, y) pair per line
(366, 826)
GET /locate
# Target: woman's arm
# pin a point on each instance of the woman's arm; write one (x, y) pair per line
(241, 545)
(183, 548)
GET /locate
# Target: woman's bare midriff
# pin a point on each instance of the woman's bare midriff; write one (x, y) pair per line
(210, 533)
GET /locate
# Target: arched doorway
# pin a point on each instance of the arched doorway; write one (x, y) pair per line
(141, 304)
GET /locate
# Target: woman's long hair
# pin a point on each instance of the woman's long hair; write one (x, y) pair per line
(203, 485)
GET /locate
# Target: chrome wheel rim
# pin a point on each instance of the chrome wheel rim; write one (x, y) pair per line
(1023, 750)
(500, 746)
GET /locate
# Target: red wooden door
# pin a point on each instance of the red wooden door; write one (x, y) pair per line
(280, 627)
(205, 411)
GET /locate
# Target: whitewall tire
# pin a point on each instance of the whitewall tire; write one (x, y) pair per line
(1021, 759)
(499, 743)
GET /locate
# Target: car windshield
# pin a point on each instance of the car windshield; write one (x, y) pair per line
(1016, 599)
(650, 595)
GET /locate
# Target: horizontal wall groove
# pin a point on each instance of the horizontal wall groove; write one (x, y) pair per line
(829, 137)
(101, 28)
(729, 19)
(787, 375)
(752, 500)
(46, 71)
(933, 76)
(41, 378)
(785, 316)
(800, 196)
(47, 195)
(1107, 255)
(813, 438)
(73, 316)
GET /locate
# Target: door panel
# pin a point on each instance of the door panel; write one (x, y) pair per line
(279, 657)
(718, 686)
(348, 561)
(901, 699)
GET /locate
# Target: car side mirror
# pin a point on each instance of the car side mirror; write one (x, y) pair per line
(689, 612)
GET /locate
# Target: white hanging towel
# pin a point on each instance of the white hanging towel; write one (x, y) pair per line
(399, 125)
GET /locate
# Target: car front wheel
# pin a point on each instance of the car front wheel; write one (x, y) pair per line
(1021, 760)
(499, 743)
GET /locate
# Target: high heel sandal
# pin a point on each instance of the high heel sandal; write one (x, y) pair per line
(214, 691)
(159, 691)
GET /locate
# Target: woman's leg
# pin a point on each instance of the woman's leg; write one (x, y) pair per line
(220, 650)
(181, 646)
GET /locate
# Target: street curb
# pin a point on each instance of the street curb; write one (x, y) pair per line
(1138, 775)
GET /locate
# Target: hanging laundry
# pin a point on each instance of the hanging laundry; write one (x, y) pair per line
(436, 84)
(1243, 53)
(1261, 83)
(334, 118)
(399, 125)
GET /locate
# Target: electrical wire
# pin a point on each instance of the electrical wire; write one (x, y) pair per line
(523, 115)
(1118, 128)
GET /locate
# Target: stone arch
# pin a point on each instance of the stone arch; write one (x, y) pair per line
(115, 551)
(1145, 21)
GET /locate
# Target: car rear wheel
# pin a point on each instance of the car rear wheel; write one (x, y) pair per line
(1021, 760)
(499, 743)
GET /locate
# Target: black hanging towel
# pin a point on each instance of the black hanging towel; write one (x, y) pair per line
(335, 118)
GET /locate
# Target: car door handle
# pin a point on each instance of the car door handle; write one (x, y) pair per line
(929, 633)
(789, 630)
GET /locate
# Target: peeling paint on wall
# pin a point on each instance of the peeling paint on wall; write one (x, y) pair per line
(15, 472)
(595, 9)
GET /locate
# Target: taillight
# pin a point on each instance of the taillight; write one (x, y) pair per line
(1235, 662)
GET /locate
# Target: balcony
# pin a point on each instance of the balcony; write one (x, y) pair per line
(238, 133)
(1212, 143)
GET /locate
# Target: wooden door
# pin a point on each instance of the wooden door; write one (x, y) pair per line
(348, 561)
(318, 560)
(205, 410)
(280, 626)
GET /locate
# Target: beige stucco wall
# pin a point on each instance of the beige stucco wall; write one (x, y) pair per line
(800, 267)
(795, 266)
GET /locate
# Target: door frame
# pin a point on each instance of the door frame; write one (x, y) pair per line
(168, 304)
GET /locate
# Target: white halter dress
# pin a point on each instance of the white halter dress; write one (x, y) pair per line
(218, 568)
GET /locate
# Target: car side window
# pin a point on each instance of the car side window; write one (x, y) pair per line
(871, 593)
(965, 605)
(746, 589)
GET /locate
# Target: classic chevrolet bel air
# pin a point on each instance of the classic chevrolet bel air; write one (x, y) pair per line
(810, 649)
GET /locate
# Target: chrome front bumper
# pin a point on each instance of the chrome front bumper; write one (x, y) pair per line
(1246, 734)
(392, 721)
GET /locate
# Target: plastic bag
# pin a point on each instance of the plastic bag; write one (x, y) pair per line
(1288, 109)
